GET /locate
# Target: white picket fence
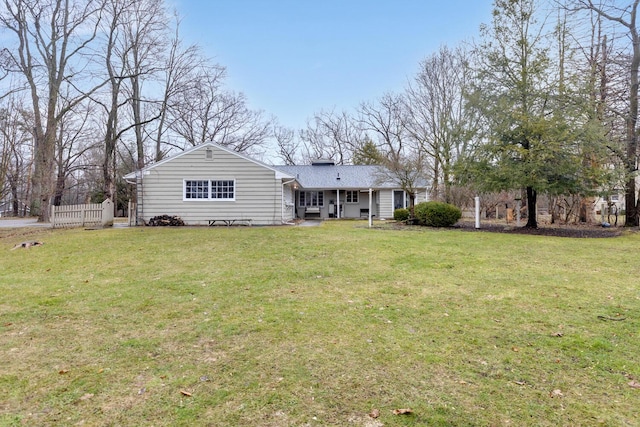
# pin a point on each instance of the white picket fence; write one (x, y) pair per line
(87, 215)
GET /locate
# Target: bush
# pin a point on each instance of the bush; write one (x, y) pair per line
(437, 214)
(401, 214)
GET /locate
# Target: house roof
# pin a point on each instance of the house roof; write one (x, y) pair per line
(324, 176)
(279, 173)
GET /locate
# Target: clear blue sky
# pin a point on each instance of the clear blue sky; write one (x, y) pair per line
(292, 58)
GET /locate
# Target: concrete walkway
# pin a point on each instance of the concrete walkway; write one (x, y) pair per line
(310, 223)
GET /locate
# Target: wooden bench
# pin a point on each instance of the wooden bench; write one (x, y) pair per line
(364, 213)
(230, 222)
(312, 211)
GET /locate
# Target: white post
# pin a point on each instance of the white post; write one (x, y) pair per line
(477, 212)
(370, 206)
(338, 203)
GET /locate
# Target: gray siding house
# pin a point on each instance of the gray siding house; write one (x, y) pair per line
(327, 190)
(211, 184)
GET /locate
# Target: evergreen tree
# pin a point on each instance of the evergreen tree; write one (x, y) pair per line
(534, 133)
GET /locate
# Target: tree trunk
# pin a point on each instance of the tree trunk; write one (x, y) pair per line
(44, 170)
(15, 205)
(435, 185)
(532, 220)
(60, 184)
(632, 133)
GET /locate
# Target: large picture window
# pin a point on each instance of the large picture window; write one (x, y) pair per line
(209, 189)
(312, 199)
(352, 196)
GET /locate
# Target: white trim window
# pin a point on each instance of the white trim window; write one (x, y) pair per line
(351, 196)
(311, 199)
(223, 190)
(209, 189)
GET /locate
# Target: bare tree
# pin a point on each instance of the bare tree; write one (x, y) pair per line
(145, 37)
(287, 146)
(176, 79)
(332, 135)
(75, 138)
(136, 33)
(16, 152)
(626, 17)
(437, 118)
(50, 38)
(206, 112)
(403, 161)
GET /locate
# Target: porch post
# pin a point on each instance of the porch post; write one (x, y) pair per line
(370, 206)
(338, 203)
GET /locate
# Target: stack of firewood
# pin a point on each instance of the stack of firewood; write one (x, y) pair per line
(165, 220)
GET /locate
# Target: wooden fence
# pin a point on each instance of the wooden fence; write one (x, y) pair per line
(87, 215)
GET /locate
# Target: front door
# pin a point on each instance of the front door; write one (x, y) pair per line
(399, 199)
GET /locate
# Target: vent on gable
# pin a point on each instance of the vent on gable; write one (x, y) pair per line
(208, 154)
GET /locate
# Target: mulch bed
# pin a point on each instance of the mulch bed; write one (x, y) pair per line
(572, 230)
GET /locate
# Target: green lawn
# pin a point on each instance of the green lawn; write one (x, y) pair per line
(293, 326)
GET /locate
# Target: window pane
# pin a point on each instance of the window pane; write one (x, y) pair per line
(311, 199)
(222, 189)
(196, 189)
(352, 196)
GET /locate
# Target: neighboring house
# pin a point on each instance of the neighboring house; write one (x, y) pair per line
(613, 204)
(210, 182)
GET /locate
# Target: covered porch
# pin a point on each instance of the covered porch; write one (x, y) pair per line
(337, 203)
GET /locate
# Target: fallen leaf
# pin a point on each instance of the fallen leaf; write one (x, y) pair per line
(520, 382)
(185, 393)
(557, 334)
(63, 371)
(403, 411)
(634, 384)
(374, 413)
(8, 324)
(556, 393)
(516, 349)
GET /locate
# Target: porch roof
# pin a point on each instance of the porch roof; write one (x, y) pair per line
(338, 176)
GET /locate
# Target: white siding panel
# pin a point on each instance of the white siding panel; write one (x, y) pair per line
(421, 196)
(258, 194)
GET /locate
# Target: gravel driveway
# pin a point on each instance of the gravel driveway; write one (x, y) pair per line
(22, 222)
